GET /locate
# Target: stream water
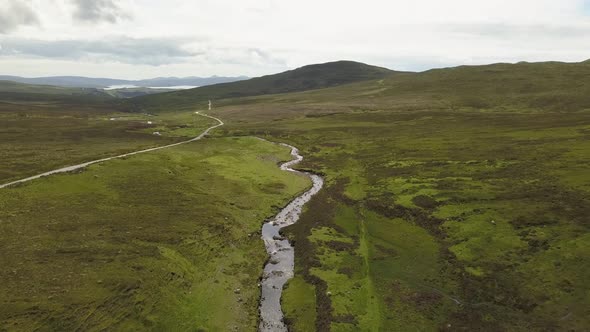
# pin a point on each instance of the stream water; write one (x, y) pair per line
(279, 268)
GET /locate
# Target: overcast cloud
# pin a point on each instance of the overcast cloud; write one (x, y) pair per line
(14, 13)
(148, 51)
(148, 38)
(99, 10)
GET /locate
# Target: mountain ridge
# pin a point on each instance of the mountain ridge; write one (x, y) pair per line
(310, 77)
(98, 82)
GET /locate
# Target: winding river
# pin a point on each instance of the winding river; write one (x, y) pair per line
(279, 268)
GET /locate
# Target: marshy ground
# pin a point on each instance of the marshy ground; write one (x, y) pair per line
(158, 241)
(455, 199)
(437, 219)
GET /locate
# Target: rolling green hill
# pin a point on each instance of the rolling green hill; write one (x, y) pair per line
(17, 91)
(545, 85)
(14, 91)
(548, 86)
(15, 87)
(302, 79)
(455, 199)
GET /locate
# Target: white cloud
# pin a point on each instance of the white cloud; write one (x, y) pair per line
(15, 13)
(149, 51)
(99, 11)
(256, 37)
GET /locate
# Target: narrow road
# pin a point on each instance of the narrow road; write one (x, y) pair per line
(75, 167)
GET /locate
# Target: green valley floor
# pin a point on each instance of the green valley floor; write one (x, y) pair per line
(39, 137)
(166, 241)
(454, 200)
(435, 219)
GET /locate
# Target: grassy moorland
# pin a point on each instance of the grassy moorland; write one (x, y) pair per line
(36, 137)
(455, 199)
(27, 93)
(165, 241)
(301, 79)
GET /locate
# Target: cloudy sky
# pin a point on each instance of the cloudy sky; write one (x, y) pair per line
(150, 38)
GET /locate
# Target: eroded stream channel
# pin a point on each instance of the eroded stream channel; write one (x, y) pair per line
(279, 268)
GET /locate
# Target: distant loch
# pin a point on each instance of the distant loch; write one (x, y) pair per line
(131, 86)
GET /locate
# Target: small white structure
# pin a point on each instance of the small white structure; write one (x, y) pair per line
(112, 119)
(209, 104)
(149, 122)
(157, 133)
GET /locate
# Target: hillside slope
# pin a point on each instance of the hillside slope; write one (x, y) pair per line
(16, 87)
(547, 85)
(455, 199)
(14, 91)
(552, 85)
(302, 79)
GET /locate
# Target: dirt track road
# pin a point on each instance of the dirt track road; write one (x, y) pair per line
(75, 167)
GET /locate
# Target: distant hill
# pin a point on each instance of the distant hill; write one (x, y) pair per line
(542, 85)
(301, 79)
(527, 86)
(524, 86)
(89, 82)
(16, 87)
(16, 91)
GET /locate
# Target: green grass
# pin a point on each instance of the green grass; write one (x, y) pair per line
(301, 79)
(21, 92)
(455, 199)
(38, 138)
(428, 206)
(299, 302)
(158, 241)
